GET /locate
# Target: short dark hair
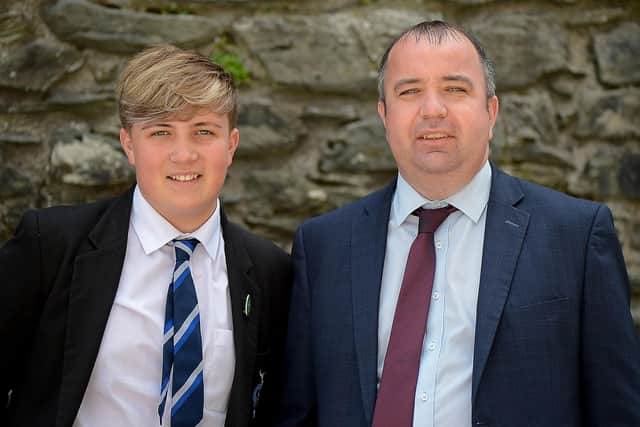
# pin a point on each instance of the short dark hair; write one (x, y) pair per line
(435, 33)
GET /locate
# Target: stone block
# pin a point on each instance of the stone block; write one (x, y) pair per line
(91, 161)
(635, 236)
(37, 65)
(618, 54)
(266, 129)
(14, 27)
(599, 176)
(609, 115)
(14, 182)
(528, 131)
(19, 139)
(118, 30)
(359, 147)
(629, 175)
(323, 52)
(537, 45)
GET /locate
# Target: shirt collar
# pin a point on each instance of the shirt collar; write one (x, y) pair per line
(154, 231)
(471, 200)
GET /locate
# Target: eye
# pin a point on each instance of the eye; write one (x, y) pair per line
(411, 91)
(456, 89)
(204, 132)
(159, 133)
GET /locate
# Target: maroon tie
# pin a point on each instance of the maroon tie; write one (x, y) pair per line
(396, 396)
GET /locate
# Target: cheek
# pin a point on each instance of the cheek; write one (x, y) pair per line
(148, 162)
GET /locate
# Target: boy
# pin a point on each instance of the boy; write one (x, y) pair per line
(151, 308)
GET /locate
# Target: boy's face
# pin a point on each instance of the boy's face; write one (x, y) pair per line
(181, 164)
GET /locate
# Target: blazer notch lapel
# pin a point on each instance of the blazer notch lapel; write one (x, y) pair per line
(246, 308)
(92, 292)
(505, 231)
(95, 279)
(368, 244)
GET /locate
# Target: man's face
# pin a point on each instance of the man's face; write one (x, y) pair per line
(437, 118)
(181, 164)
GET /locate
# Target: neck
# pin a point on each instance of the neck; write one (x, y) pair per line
(439, 186)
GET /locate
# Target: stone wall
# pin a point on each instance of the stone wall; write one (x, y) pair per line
(568, 79)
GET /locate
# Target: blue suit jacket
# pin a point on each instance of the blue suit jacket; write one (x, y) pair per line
(555, 343)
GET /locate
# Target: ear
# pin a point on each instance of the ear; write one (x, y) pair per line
(127, 145)
(382, 112)
(234, 139)
(493, 105)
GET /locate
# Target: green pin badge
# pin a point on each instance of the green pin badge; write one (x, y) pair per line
(247, 306)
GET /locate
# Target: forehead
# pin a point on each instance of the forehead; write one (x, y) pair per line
(413, 57)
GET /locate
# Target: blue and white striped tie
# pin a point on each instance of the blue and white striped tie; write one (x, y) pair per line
(182, 344)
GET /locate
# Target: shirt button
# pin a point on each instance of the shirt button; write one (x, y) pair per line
(424, 397)
(436, 295)
(431, 346)
(439, 244)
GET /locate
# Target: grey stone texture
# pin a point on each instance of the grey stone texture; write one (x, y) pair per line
(90, 25)
(618, 54)
(37, 65)
(567, 74)
(524, 46)
(609, 114)
(323, 52)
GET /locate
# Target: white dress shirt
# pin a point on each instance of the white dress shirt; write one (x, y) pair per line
(124, 388)
(443, 393)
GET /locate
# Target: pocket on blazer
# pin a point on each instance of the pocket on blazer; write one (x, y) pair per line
(554, 309)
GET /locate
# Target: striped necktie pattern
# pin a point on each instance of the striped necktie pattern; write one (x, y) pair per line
(182, 345)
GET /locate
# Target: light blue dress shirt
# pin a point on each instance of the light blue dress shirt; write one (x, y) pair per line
(443, 393)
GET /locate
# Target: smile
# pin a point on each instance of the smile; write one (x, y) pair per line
(183, 178)
(435, 135)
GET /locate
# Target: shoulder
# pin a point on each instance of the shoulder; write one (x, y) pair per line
(552, 206)
(259, 249)
(60, 222)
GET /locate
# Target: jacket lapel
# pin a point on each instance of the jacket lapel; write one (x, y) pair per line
(96, 275)
(245, 313)
(505, 231)
(368, 243)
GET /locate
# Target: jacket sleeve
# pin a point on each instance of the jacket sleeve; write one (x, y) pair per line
(20, 303)
(298, 405)
(610, 344)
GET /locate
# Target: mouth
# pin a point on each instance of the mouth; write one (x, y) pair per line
(184, 177)
(434, 136)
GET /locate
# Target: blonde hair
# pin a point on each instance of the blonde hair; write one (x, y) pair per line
(163, 81)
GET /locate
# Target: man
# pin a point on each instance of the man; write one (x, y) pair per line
(525, 288)
(151, 308)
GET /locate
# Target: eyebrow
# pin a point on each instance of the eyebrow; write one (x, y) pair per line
(458, 78)
(153, 125)
(214, 124)
(447, 78)
(404, 82)
(166, 125)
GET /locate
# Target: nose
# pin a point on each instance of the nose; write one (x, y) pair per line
(184, 151)
(432, 106)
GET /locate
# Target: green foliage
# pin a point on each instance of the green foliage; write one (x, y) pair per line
(232, 63)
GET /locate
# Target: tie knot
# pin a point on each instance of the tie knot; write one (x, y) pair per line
(430, 219)
(184, 248)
